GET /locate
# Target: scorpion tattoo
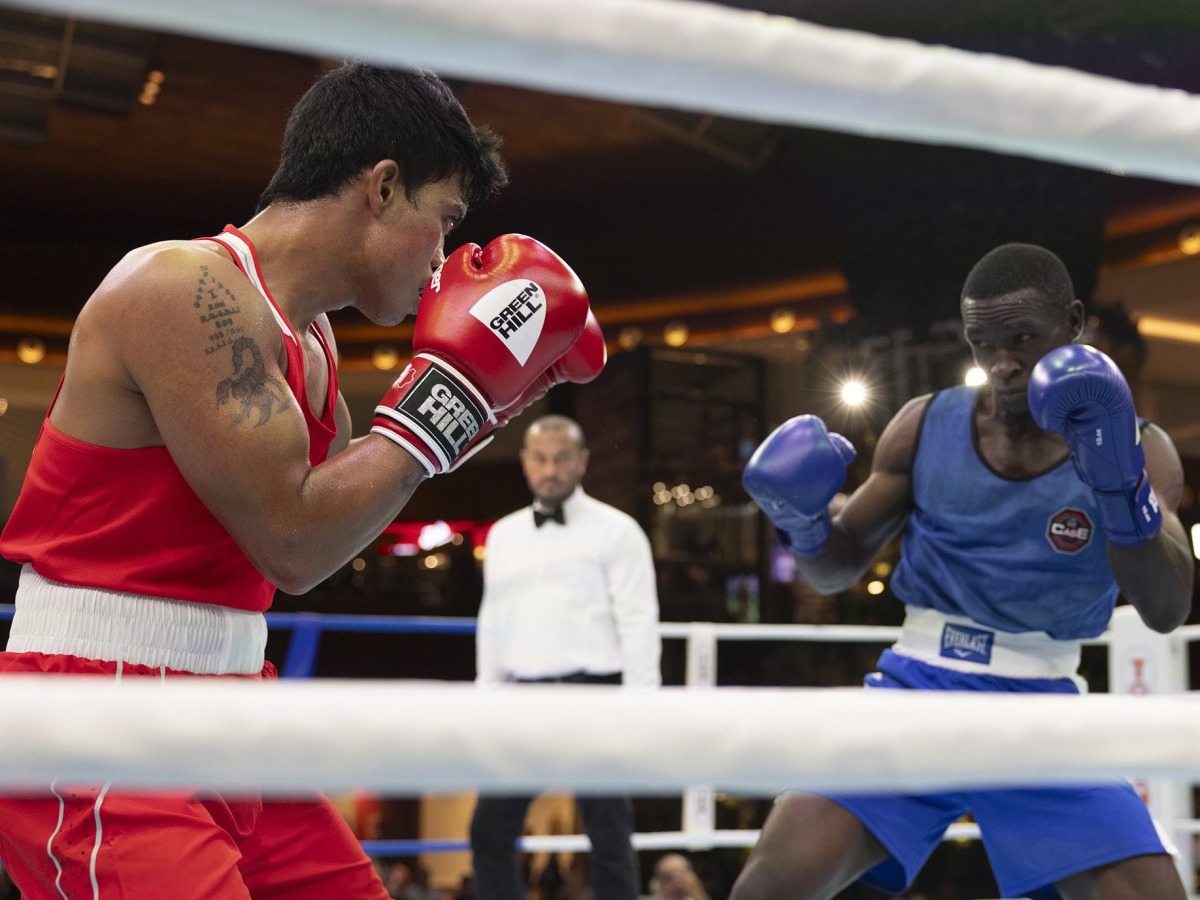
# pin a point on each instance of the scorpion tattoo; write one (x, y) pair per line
(251, 388)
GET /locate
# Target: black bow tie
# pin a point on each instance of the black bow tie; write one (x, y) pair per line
(539, 517)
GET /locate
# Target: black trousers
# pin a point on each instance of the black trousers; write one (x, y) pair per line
(499, 821)
(607, 821)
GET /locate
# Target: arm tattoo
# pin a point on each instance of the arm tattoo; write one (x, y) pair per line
(249, 385)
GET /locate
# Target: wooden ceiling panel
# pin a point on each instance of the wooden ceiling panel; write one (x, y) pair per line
(645, 218)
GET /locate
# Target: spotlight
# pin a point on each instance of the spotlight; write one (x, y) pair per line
(854, 393)
(975, 377)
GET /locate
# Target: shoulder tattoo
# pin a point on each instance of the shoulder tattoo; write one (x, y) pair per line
(250, 387)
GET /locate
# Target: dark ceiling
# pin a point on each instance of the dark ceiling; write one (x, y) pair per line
(664, 215)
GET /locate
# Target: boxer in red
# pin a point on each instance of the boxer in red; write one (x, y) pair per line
(197, 458)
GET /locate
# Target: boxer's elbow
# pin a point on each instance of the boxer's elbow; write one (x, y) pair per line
(295, 583)
(824, 578)
(292, 569)
(1165, 610)
(1166, 619)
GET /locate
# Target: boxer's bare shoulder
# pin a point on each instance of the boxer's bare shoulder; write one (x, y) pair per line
(170, 318)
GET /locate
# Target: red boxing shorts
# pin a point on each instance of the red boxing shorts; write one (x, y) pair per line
(89, 842)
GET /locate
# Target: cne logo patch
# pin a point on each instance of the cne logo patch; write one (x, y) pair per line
(1069, 530)
(515, 312)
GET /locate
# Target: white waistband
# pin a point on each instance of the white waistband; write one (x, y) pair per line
(149, 631)
(962, 644)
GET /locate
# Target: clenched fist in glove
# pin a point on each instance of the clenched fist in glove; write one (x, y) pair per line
(493, 324)
(793, 475)
(1080, 393)
(580, 364)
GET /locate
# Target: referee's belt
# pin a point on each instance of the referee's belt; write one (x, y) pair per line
(573, 678)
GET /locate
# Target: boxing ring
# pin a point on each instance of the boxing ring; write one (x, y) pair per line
(695, 739)
(707, 58)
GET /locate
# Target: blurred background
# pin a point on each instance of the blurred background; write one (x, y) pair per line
(743, 272)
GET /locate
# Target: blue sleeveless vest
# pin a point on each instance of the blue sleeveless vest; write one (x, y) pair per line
(1013, 554)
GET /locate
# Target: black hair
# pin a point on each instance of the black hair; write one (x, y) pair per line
(358, 114)
(1010, 268)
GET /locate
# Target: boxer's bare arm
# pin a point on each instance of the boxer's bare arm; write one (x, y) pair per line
(341, 415)
(1157, 577)
(875, 512)
(341, 412)
(156, 360)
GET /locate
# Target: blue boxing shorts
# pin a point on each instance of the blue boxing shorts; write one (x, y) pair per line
(1033, 838)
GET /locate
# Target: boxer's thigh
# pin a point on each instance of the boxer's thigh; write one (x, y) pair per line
(85, 842)
(304, 850)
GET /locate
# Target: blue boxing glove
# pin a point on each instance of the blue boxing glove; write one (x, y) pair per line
(1080, 393)
(793, 475)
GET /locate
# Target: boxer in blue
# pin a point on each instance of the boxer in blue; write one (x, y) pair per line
(1025, 507)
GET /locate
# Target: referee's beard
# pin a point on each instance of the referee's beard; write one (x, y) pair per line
(551, 492)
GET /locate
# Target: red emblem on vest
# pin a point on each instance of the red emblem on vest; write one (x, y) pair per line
(1069, 530)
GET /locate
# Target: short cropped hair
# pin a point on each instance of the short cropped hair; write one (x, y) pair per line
(1020, 267)
(556, 422)
(358, 114)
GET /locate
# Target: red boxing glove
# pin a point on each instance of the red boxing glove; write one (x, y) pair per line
(492, 321)
(580, 364)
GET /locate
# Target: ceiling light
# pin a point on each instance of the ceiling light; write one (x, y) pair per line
(1168, 329)
(1189, 239)
(31, 350)
(783, 320)
(385, 357)
(629, 337)
(675, 334)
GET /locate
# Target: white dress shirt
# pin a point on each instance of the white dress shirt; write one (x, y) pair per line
(560, 599)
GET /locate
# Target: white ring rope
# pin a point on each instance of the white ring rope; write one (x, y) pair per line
(418, 737)
(714, 59)
(702, 840)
